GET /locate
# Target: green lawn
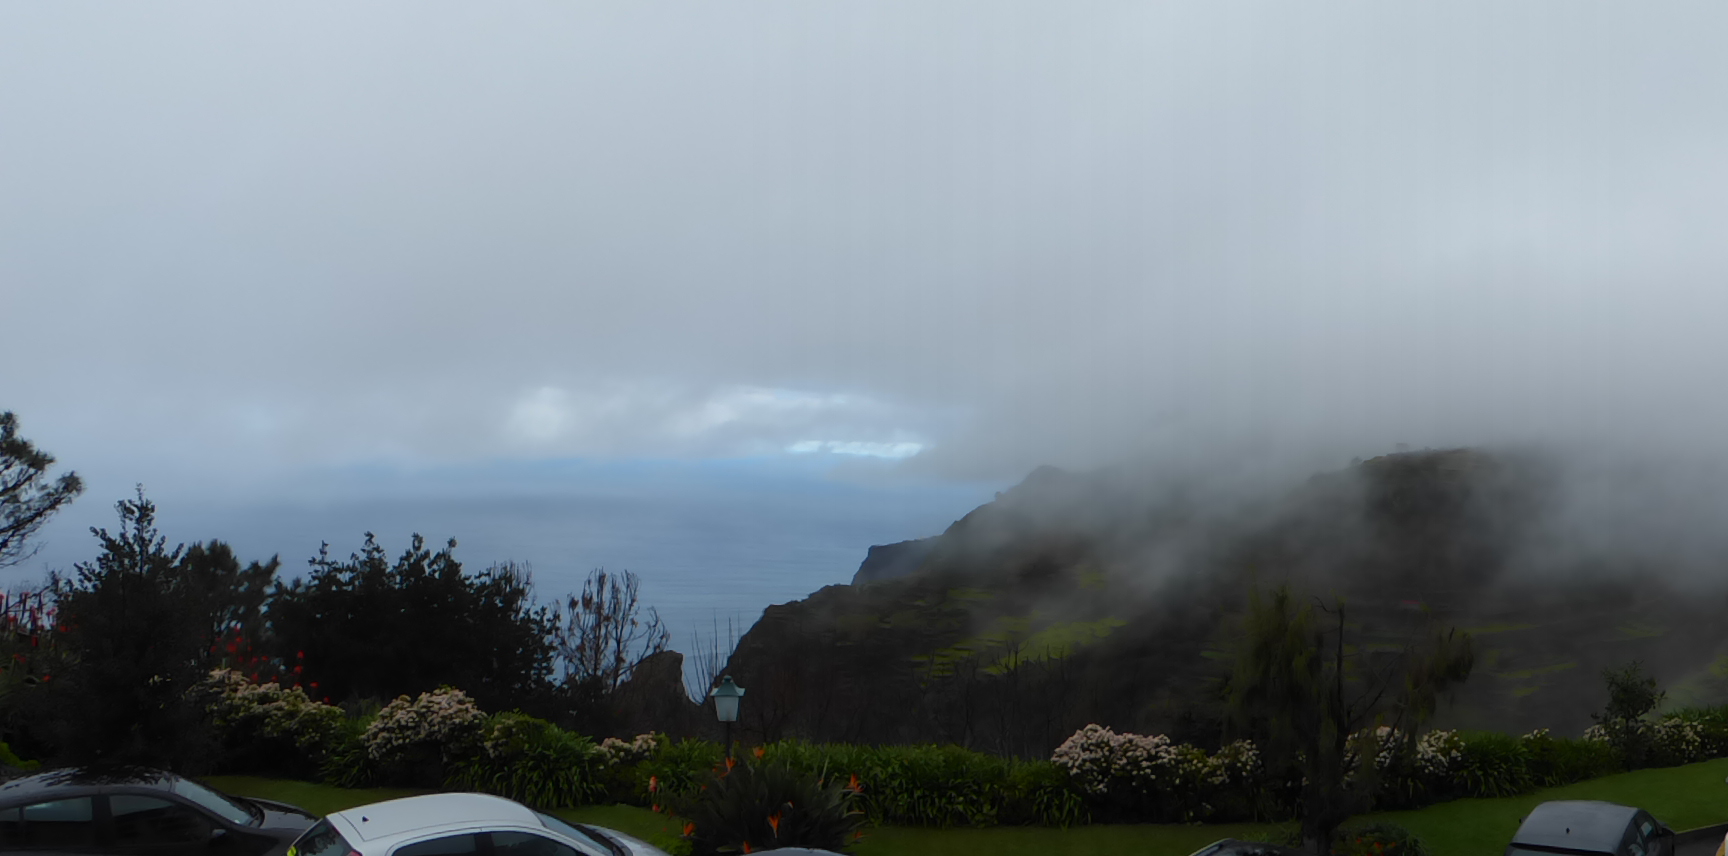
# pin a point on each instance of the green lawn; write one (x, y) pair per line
(1683, 797)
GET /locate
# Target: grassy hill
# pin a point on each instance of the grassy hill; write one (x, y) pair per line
(1077, 598)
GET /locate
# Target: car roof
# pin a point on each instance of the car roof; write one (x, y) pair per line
(431, 813)
(1576, 825)
(77, 781)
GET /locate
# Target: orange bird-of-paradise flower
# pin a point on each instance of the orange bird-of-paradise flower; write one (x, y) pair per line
(853, 784)
(774, 823)
(689, 829)
(759, 752)
(731, 762)
(747, 848)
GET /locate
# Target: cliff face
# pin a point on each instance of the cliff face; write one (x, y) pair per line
(1077, 598)
(893, 561)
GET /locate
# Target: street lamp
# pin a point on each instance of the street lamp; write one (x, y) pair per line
(726, 698)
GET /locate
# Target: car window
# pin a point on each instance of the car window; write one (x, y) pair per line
(321, 840)
(50, 825)
(528, 844)
(156, 823)
(449, 845)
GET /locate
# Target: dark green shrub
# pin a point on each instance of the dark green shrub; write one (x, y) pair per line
(346, 763)
(1555, 761)
(1492, 765)
(675, 768)
(8, 758)
(911, 785)
(1040, 793)
(762, 805)
(531, 761)
(1377, 839)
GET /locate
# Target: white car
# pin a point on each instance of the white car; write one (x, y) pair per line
(460, 825)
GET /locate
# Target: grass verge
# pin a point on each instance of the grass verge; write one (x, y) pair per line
(1683, 797)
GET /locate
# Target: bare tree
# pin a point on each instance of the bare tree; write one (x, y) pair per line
(710, 658)
(27, 497)
(603, 637)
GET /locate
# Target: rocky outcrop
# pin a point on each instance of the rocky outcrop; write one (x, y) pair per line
(654, 699)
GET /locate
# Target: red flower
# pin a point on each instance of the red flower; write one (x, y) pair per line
(774, 823)
(689, 829)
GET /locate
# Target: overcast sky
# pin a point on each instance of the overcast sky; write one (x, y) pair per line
(250, 251)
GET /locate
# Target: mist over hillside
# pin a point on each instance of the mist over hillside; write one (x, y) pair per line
(1112, 596)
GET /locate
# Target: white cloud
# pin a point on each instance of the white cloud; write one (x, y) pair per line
(895, 450)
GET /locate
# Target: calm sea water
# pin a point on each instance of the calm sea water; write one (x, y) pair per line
(710, 542)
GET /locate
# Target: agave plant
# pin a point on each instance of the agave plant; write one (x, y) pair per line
(746, 807)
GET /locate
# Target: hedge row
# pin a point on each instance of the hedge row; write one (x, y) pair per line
(441, 739)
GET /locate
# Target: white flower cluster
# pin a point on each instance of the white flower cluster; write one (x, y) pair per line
(1388, 743)
(1597, 733)
(238, 706)
(614, 751)
(1099, 758)
(1679, 739)
(1233, 763)
(445, 718)
(1438, 753)
(1538, 735)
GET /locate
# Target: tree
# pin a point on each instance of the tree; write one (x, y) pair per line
(601, 637)
(1306, 682)
(369, 629)
(27, 497)
(1631, 696)
(140, 626)
(604, 636)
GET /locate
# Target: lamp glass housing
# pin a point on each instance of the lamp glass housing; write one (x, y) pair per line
(726, 698)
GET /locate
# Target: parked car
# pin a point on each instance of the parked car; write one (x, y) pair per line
(1588, 826)
(460, 825)
(139, 812)
(1238, 847)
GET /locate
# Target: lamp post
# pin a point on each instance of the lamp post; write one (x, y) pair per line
(726, 698)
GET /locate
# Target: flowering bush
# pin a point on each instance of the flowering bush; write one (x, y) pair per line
(1438, 753)
(1141, 775)
(1677, 741)
(445, 717)
(412, 740)
(266, 726)
(614, 751)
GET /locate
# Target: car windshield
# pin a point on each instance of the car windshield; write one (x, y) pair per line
(576, 832)
(224, 807)
(321, 840)
(1527, 850)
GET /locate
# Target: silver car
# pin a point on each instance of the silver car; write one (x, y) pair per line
(460, 825)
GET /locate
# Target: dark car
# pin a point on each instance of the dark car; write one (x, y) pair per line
(139, 813)
(1238, 847)
(1588, 826)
